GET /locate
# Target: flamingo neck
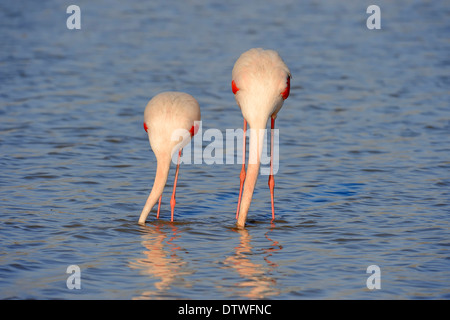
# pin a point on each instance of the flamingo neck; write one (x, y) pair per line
(162, 172)
(255, 150)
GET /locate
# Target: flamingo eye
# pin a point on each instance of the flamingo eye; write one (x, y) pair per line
(194, 130)
(145, 127)
(286, 91)
(234, 87)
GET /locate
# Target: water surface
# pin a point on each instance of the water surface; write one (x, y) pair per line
(364, 152)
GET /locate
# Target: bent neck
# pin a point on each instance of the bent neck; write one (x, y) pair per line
(255, 151)
(162, 172)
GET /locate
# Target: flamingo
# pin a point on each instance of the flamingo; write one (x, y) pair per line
(260, 83)
(164, 115)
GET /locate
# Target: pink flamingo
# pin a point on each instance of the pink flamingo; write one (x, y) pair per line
(169, 121)
(261, 83)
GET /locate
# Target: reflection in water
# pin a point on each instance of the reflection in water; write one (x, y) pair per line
(275, 246)
(257, 283)
(161, 261)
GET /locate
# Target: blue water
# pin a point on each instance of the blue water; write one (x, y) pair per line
(364, 172)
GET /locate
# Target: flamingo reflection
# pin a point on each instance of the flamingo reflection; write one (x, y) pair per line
(160, 260)
(257, 283)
